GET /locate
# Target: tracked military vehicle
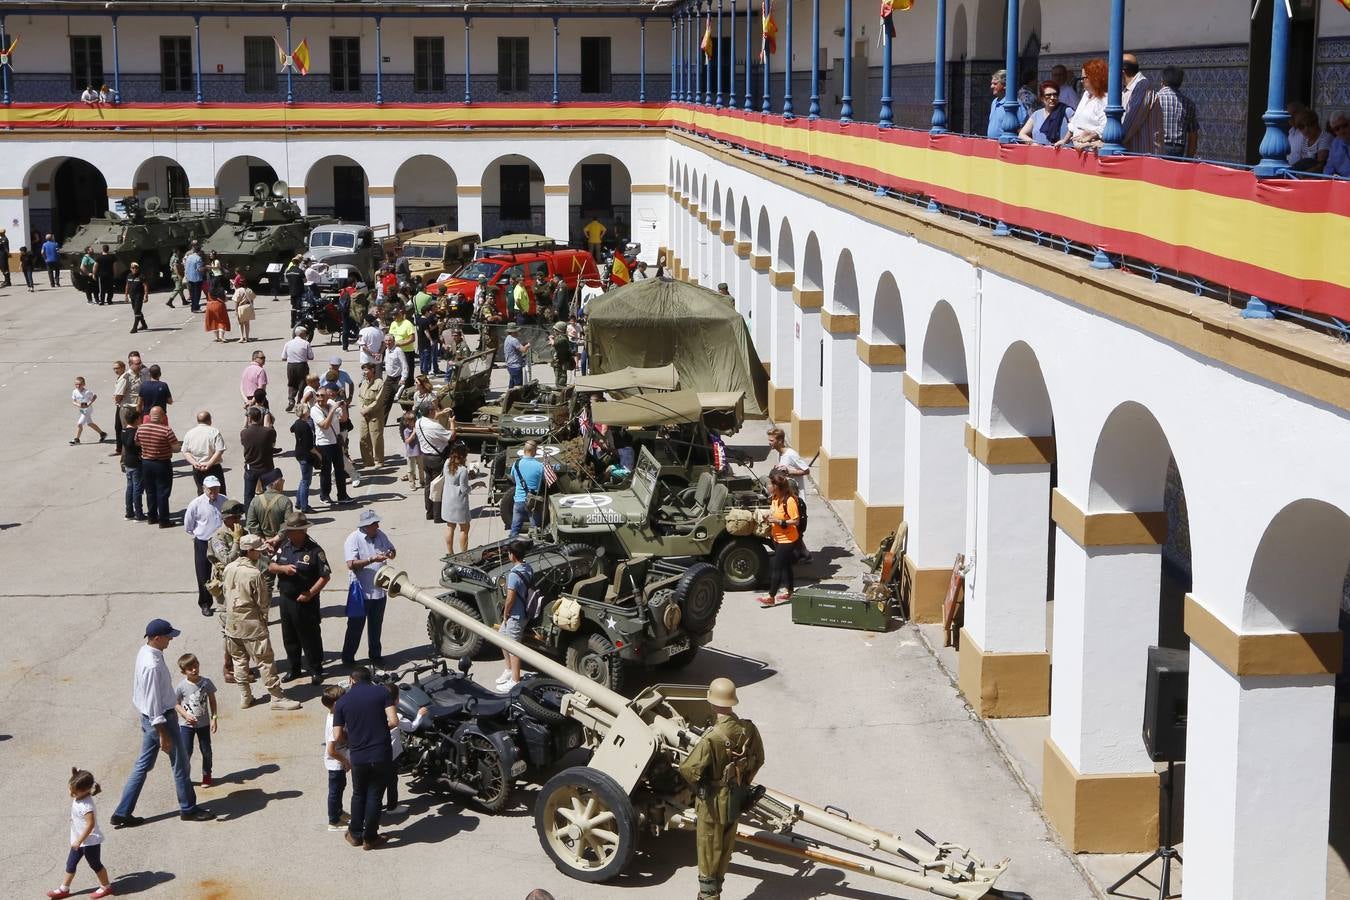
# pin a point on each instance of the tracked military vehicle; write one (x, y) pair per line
(145, 233)
(261, 230)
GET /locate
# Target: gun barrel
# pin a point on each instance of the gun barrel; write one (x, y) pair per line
(397, 583)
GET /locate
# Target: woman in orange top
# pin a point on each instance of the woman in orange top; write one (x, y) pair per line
(783, 517)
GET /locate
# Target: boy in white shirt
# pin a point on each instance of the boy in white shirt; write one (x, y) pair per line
(83, 400)
(335, 761)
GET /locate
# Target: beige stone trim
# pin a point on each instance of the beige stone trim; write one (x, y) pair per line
(881, 354)
(684, 201)
(780, 403)
(556, 190)
(648, 189)
(781, 278)
(114, 193)
(1278, 653)
(743, 249)
(927, 592)
(806, 434)
(702, 217)
(936, 396)
(834, 323)
(20, 192)
(693, 208)
(469, 190)
(768, 368)
(837, 477)
(715, 226)
(1113, 813)
(760, 263)
(387, 191)
(1010, 451)
(808, 299)
(1003, 685)
(293, 191)
(1107, 529)
(872, 523)
(729, 238)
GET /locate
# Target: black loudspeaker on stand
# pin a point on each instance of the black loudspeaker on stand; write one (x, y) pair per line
(1165, 739)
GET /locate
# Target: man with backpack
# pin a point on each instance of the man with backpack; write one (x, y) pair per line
(516, 610)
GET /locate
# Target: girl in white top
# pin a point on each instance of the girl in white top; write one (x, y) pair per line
(83, 400)
(86, 839)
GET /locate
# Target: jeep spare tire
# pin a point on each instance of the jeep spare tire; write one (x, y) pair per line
(699, 593)
(743, 562)
(452, 640)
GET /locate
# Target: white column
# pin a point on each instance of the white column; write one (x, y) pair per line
(470, 203)
(745, 301)
(935, 484)
(839, 434)
(1005, 596)
(770, 305)
(556, 213)
(382, 209)
(807, 394)
(14, 219)
(882, 456)
(1106, 617)
(1258, 769)
(731, 272)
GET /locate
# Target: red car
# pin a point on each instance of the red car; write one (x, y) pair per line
(535, 266)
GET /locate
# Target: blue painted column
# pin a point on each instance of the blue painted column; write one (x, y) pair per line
(846, 99)
(787, 60)
(555, 61)
(674, 57)
(1114, 131)
(886, 118)
(700, 62)
(117, 69)
(749, 29)
(468, 97)
(290, 93)
(4, 70)
(1274, 148)
(940, 70)
(642, 60)
(717, 56)
(731, 72)
(379, 63)
(1010, 123)
(197, 39)
(813, 111)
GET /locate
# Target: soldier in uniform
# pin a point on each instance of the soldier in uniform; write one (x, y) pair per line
(302, 572)
(721, 769)
(222, 548)
(247, 599)
(268, 511)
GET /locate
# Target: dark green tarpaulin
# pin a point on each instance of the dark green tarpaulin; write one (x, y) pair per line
(659, 321)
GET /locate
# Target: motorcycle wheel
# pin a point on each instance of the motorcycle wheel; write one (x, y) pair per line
(494, 792)
(542, 699)
(586, 824)
(448, 638)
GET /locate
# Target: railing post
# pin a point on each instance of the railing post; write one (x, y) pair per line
(197, 40)
(886, 118)
(290, 93)
(1114, 130)
(1274, 148)
(699, 61)
(813, 110)
(1010, 123)
(674, 58)
(749, 29)
(940, 70)
(717, 56)
(379, 63)
(555, 61)
(468, 96)
(846, 99)
(731, 42)
(787, 60)
(642, 60)
(4, 70)
(117, 69)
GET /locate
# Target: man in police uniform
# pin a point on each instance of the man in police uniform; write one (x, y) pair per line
(302, 572)
(247, 598)
(721, 768)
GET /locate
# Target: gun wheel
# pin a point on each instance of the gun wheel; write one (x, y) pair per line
(586, 824)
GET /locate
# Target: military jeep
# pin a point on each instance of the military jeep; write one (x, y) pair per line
(659, 516)
(647, 612)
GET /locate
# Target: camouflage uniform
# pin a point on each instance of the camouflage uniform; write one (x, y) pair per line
(247, 599)
(721, 768)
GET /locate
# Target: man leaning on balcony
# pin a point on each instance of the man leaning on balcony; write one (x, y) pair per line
(998, 84)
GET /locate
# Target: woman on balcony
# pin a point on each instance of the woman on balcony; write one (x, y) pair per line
(1049, 124)
(1089, 119)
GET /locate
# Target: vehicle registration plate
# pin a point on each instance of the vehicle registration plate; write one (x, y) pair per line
(604, 518)
(678, 646)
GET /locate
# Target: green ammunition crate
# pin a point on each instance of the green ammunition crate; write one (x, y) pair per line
(839, 609)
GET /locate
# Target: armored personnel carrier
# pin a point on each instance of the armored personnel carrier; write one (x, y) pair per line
(144, 233)
(263, 229)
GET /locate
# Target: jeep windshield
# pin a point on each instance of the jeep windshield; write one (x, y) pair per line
(479, 267)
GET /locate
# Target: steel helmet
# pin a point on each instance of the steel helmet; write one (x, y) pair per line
(722, 692)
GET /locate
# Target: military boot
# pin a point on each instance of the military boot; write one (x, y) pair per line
(709, 888)
(281, 701)
(246, 698)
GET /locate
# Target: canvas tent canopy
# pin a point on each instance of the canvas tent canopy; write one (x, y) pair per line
(631, 378)
(664, 322)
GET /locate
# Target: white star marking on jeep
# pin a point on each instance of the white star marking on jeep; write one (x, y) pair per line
(585, 501)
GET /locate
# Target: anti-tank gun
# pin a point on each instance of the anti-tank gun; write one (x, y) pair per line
(588, 818)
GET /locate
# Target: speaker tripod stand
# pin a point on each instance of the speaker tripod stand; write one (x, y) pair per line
(1166, 852)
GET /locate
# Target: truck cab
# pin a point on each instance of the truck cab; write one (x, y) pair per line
(350, 246)
(431, 255)
(533, 262)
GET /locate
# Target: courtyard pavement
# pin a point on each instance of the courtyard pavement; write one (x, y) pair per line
(864, 722)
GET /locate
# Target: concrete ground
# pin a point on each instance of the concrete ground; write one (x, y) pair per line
(861, 721)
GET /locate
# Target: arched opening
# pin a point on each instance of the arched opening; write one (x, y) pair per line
(337, 186)
(601, 188)
(513, 197)
(235, 179)
(425, 194)
(763, 234)
(888, 315)
(786, 253)
(881, 418)
(744, 221)
(944, 350)
(729, 208)
(717, 201)
(164, 178)
(63, 194)
(812, 278)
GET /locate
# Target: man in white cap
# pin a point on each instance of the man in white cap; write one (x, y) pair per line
(202, 519)
(296, 353)
(339, 380)
(247, 602)
(366, 551)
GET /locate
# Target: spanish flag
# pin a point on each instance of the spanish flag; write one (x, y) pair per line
(7, 53)
(768, 30)
(618, 271)
(301, 57)
(707, 43)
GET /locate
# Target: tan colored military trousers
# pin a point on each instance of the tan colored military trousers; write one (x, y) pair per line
(259, 649)
(371, 432)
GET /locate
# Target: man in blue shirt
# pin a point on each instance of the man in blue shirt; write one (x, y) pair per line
(515, 614)
(998, 84)
(366, 551)
(514, 353)
(363, 718)
(52, 257)
(1338, 160)
(528, 475)
(194, 273)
